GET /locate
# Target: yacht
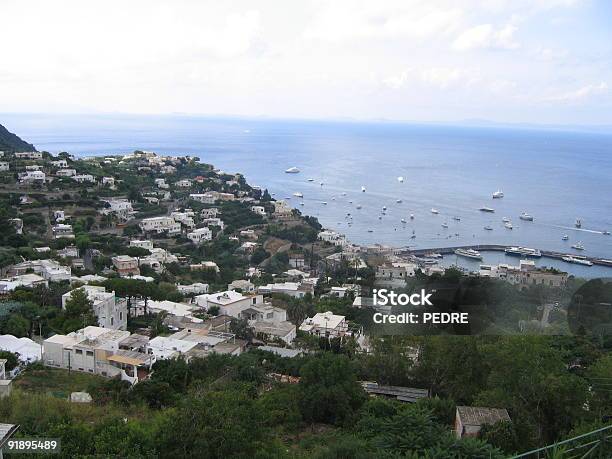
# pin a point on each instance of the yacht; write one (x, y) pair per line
(506, 220)
(433, 255)
(565, 237)
(403, 220)
(400, 179)
(486, 209)
(363, 189)
(324, 203)
(469, 253)
(498, 194)
(435, 211)
(457, 219)
(525, 216)
(523, 252)
(292, 170)
(578, 260)
(578, 246)
(508, 225)
(578, 223)
(298, 195)
(311, 180)
(488, 228)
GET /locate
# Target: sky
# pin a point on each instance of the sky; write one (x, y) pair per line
(532, 61)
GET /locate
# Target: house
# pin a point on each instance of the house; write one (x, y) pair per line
(126, 265)
(59, 163)
(163, 347)
(161, 183)
(282, 210)
(66, 173)
(204, 198)
(199, 235)
(25, 280)
(192, 289)
(185, 183)
(27, 351)
(248, 246)
(121, 208)
(243, 285)
(293, 289)
(170, 307)
(297, 262)
(470, 419)
(142, 244)
(110, 181)
(230, 303)
(209, 213)
(160, 225)
(28, 155)
(213, 221)
(203, 266)
(62, 230)
(395, 274)
(32, 177)
(110, 311)
(70, 251)
(98, 351)
(249, 234)
(259, 210)
(50, 270)
(185, 217)
(332, 237)
(82, 178)
(59, 216)
(325, 324)
(284, 330)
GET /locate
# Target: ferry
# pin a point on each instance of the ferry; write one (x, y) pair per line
(508, 225)
(469, 253)
(486, 209)
(578, 246)
(435, 211)
(523, 252)
(578, 223)
(298, 195)
(525, 216)
(292, 170)
(578, 260)
(498, 194)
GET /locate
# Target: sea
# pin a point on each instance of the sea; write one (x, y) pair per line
(555, 175)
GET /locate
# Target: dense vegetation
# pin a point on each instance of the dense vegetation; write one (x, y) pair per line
(10, 142)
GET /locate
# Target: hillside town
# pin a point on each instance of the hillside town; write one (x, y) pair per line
(115, 265)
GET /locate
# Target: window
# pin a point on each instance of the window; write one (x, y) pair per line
(89, 353)
(121, 316)
(79, 351)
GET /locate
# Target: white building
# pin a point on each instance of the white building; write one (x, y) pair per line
(160, 225)
(32, 177)
(244, 286)
(25, 280)
(27, 351)
(142, 244)
(204, 198)
(163, 347)
(185, 217)
(62, 230)
(185, 183)
(82, 178)
(28, 155)
(66, 173)
(259, 210)
(126, 266)
(293, 289)
(110, 311)
(230, 303)
(50, 270)
(122, 208)
(199, 235)
(325, 324)
(61, 163)
(193, 289)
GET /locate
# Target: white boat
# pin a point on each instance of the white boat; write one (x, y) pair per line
(456, 218)
(357, 206)
(343, 193)
(469, 253)
(565, 237)
(324, 203)
(301, 203)
(508, 225)
(578, 223)
(498, 194)
(292, 170)
(311, 180)
(403, 220)
(298, 194)
(411, 216)
(506, 220)
(433, 255)
(605, 233)
(523, 252)
(488, 228)
(486, 209)
(435, 211)
(578, 260)
(444, 225)
(578, 246)
(384, 208)
(399, 201)
(400, 179)
(363, 189)
(525, 216)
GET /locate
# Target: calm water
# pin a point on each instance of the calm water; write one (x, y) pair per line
(555, 176)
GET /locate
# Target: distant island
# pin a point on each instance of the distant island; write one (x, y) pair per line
(12, 143)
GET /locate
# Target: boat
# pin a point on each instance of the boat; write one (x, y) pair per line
(403, 220)
(578, 260)
(578, 223)
(433, 255)
(469, 253)
(525, 216)
(411, 216)
(292, 170)
(578, 246)
(400, 179)
(357, 206)
(444, 225)
(298, 195)
(506, 220)
(435, 211)
(508, 225)
(370, 231)
(311, 180)
(486, 209)
(363, 189)
(301, 203)
(565, 237)
(324, 203)
(523, 252)
(498, 194)
(399, 201)
(488, 228)
(384, 208)
(457, 219)
(606, 233)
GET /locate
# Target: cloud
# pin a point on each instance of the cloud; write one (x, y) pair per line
(583, 93)
(485, 36)
(436, 77)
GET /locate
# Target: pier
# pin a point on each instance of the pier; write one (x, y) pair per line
(500, 248)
